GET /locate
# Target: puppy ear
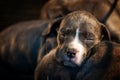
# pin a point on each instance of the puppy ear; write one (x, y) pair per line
(53, 25)
(105, 33)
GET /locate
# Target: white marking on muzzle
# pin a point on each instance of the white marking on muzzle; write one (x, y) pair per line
(81, 50)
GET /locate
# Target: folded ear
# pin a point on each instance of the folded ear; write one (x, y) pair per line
(53, 25)
(105, 33)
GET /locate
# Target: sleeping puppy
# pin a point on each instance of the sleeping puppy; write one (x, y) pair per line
(78, 33)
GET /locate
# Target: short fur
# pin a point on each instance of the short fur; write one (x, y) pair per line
(52, 66)
(102, 64)
(22, 43)
(104, 10)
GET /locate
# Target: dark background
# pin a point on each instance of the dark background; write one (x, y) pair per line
(12, 11)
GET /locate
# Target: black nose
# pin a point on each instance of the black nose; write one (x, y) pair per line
(71, 53)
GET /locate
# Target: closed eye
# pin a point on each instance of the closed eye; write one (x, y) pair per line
(89, 36)
(66, 31)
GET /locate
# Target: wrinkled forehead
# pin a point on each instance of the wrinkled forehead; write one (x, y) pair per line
(79, 20)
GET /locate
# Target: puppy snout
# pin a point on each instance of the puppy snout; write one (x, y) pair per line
(71, 52)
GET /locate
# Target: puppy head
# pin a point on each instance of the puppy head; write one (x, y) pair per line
(79, 32)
